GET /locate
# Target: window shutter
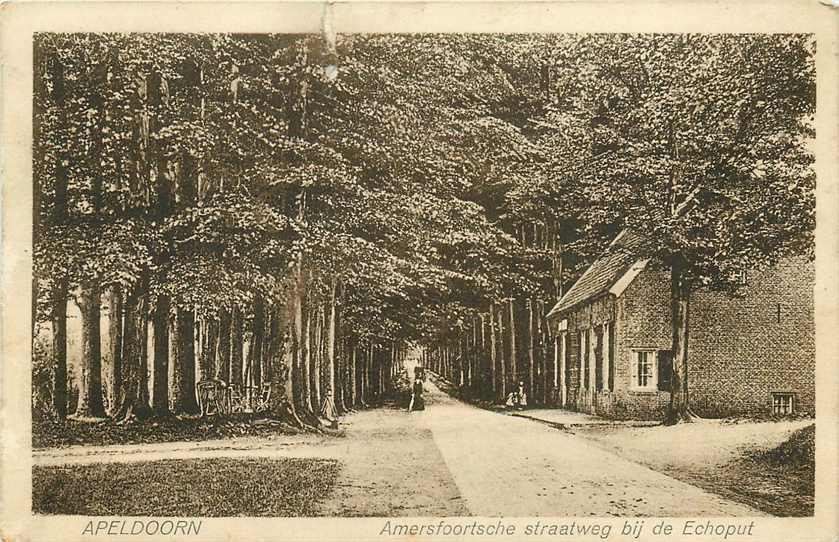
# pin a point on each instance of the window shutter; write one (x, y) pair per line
(665, 369)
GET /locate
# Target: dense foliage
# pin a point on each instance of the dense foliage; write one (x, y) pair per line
(226, 184)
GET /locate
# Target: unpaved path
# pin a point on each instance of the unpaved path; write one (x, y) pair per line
(507, 466)
(392, 468)
(453, 459)
(390, 465)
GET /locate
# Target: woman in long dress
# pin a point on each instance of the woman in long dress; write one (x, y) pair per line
(417, 402)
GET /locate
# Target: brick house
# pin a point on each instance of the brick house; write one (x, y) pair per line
(749, 353)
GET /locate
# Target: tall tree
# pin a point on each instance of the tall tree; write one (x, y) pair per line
(701, 147)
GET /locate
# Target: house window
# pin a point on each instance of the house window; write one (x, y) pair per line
(644, 370)
(652, 370)
(783, 403)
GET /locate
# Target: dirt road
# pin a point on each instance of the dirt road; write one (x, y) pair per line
(507, 466)
(454, 459)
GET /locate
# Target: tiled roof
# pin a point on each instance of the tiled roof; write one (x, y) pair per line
(625, 250)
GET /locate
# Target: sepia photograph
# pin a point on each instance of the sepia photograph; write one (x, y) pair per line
(412, 275)
(418, 281)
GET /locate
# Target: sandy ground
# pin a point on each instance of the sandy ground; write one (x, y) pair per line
(674, 447)
(390, 465)
(506, 466)
(454, 459)
(720, 457)
(402, 474)
(566, 419)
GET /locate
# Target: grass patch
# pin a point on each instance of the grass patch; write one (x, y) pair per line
(51, 433)
(219, 487)
(799, 450)
(782, 480)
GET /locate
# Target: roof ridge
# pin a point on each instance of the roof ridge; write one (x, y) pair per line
(603, 273)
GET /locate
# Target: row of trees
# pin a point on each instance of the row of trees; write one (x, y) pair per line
(224, 188)
(509, 344)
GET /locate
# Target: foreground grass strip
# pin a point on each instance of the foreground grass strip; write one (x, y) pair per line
(220, 487)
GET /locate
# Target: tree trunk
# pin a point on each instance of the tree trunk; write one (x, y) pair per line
(447, 362)
(224, 346)
(134, 382)
(59, 214)
(160, 384)
(90, 403)
(365, 375)
(514, 374)
(556, 358)
(362, 388)
(292, 357)
(209, 343)
(473, 356)
(541, 327)
(558, 270)
(462, 346)
(354, 376)
(270, 350)
(482, 360)
(315, 358)
(383, 364)
(306, 367)
(492, 352)
(380, 372)
(679, 408)
(502, 380)
(277, 360)
(59, 349)
(531, 360)
(236, 348)
(302, 326)
(330, 345)
(184, 361)
(370, 374)
(144, 396)
(255, 346)
(115, 353)
(342, 369)
(287, 359)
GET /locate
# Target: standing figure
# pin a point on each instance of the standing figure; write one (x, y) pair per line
(522, 396)
(328, 410)
(417, 402)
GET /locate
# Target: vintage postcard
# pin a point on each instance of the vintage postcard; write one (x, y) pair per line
(420, 271)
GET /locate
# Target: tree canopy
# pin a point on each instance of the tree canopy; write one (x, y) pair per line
(433, 176)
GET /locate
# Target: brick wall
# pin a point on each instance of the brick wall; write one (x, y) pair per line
(642, 321)
(739, 350)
